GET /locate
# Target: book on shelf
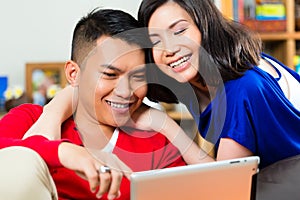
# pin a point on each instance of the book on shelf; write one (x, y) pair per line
(261, 16)
(270, 11)
(238, 10)
(226, 7)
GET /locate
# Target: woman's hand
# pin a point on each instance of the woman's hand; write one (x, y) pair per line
(87, 165)
(148, 118)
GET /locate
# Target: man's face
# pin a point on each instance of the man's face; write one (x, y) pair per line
(112, 81)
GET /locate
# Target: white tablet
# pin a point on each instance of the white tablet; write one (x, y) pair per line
(221, 180)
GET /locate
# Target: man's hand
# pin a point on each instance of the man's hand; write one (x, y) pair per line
(87, 163)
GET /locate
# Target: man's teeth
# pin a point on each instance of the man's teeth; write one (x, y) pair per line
(118, 105)
(179, 62)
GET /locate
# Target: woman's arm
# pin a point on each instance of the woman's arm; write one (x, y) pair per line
(54, 114)
(146, 118)
(230, 149)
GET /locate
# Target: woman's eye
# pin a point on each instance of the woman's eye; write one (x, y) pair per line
(179, 31)
(155, 42)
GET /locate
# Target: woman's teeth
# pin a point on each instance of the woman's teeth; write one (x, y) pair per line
(118, 105)
(179, 62)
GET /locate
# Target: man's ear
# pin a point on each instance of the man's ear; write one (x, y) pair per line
(72, 71)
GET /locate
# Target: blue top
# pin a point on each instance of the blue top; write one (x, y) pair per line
(253, 111)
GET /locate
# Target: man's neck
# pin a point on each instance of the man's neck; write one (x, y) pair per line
(93, 134)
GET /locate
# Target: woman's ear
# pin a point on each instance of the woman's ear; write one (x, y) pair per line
(72, 72)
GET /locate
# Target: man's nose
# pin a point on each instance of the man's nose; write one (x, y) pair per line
(123, 88)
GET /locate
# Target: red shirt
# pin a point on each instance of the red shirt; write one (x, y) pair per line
(140, 153)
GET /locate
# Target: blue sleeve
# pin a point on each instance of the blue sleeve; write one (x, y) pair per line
(258, 114)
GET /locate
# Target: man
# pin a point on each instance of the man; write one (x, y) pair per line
(107, 72)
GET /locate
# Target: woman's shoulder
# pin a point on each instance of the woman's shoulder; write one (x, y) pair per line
(253, 80)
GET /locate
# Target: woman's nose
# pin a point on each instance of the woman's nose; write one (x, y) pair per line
(171, 46)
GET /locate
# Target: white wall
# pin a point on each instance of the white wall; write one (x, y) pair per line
(41, 31)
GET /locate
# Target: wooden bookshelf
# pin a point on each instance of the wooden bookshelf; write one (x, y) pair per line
(286, 48)
(281, 45)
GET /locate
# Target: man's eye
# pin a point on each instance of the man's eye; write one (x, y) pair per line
(111, 75)
(139, 77)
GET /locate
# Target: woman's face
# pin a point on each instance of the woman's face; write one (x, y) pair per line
(176, 40)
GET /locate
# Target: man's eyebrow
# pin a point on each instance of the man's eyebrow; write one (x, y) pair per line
(141, 69)
(110, 67)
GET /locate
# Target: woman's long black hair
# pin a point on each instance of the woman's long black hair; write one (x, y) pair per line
(232, 47)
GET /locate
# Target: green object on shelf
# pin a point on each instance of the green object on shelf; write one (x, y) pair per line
(269, 11)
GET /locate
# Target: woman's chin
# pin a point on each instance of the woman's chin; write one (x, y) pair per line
(184, 77)
(181, 79)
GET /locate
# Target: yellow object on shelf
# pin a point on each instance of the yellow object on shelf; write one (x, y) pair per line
(296, 60)
(270, 11)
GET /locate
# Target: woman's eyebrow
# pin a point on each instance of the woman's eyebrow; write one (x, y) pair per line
(176, 22)
(153, 34)
(169, 27)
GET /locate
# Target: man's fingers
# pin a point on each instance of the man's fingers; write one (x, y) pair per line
(105, 183)
(92, 177)
(125, 170)
(114, 190)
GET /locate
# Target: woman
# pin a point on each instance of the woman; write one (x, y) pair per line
(245, 102)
